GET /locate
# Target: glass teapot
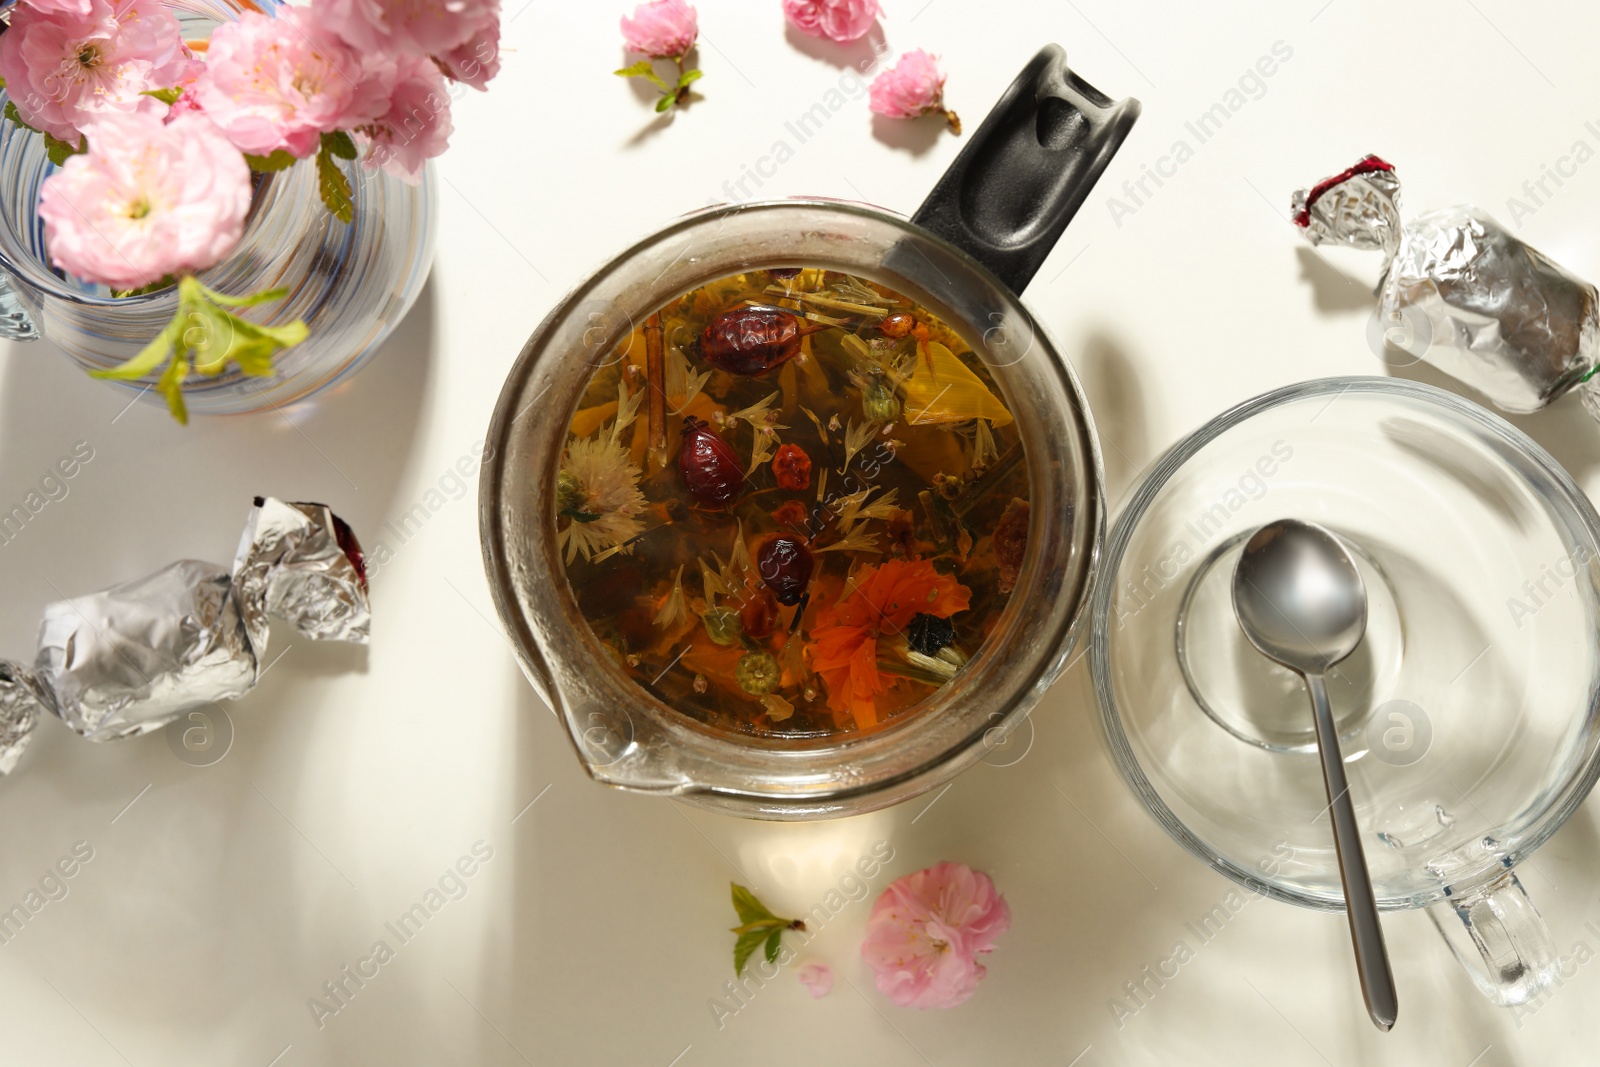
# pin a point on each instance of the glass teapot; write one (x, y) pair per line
(971, 247)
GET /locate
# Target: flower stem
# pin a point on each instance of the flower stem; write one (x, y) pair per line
(655, 364)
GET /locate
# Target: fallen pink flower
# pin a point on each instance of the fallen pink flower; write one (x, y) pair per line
(913, 86)
(663, 29)
(817, 978)
(926, 932)
(148, 199)
(838, 20)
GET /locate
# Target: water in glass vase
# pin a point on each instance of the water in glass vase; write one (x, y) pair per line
(792, 505)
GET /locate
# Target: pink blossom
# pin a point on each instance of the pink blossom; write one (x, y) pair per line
(817, 978)
(452, 31)
(927, 931)
(477, 59)
(280, 83)
(148, 199)
(62, 68)
(188, 100)
(839, 20)
(60, 7)
(913, 86)
(417, 125)
(661, 29)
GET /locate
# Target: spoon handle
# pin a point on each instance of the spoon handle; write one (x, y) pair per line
(1372, 959)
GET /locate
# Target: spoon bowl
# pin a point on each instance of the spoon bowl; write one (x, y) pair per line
(1299, 596)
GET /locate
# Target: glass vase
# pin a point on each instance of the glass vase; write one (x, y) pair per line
(351, 283)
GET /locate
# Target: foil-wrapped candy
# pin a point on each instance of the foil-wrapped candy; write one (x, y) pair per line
(133, 658)
(1463, 293)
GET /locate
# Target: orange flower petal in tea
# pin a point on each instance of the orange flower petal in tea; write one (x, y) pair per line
(791, 467)
(883, 601)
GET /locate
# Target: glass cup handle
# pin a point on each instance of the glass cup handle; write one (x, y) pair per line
(1500, 938)
(15, 325)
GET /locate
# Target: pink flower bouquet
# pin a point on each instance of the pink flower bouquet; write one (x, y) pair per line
(156, 138)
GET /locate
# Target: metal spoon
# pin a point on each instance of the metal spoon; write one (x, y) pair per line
(1301, 601)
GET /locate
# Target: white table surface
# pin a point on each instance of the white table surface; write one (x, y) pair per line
(223, 898)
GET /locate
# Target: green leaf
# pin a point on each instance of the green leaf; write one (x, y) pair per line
(15, 116)
(757, 927)
(249, 300)
(688, 76)
(334, 186)
(666, 102)
(60, 151)
(750, 909)
(171, 387)
(773, 943)
(339, 144)
(246, 332)
(208, 337)
(279, 160)
(745, 947)
(254, 356)
(643, 69)
(166, 96)
(150, 356)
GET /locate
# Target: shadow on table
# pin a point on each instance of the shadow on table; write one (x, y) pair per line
(1332, 290)
(151, 491)
(859, 55)
(1116, 397)
(1564, 429)
(603, 885)
(915, 136)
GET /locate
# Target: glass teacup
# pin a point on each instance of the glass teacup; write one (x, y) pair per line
(1467, 715)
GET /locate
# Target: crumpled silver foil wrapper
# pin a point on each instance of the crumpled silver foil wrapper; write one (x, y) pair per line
(1472, 299)
(131, 659)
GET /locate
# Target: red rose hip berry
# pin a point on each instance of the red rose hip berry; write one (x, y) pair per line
(751, 341)
(784, 564)
(711, 470)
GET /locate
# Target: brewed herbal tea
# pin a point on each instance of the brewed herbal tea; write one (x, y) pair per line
(793, 504)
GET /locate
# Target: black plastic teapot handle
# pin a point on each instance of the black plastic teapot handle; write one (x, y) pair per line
(1030, 166)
